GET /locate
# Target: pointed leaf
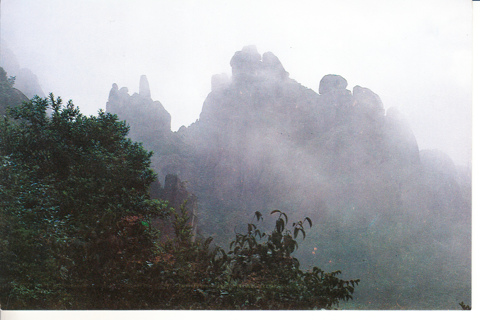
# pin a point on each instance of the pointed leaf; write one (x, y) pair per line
(303, 232)
(309, 221)
(208, 241)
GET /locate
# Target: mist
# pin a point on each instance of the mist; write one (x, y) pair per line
(415, 55)
(383, 209)
(357, 115)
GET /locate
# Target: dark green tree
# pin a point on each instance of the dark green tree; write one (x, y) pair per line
(266, 275)
(259, 272)
(75, 210)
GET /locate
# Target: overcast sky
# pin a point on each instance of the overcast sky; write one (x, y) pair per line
(415, 54)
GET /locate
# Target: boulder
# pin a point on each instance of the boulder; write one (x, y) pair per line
(332, 82)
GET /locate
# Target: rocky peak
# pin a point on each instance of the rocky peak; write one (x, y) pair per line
(113, 92)
(335, 98)
(145, 116)
(368, 100)
(262, 142)
(332, 83)
(248, 65)
(245, 63)
(144, 89)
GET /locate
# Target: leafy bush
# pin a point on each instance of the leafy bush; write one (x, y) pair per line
(72, 190)
(259, 272)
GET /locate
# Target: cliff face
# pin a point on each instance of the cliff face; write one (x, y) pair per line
(263, 140)
(150, 124)
(146, 117)
(383, 211)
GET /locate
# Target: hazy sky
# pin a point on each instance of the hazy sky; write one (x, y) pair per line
(415, 54)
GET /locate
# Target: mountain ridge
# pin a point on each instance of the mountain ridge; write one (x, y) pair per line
(263, 141)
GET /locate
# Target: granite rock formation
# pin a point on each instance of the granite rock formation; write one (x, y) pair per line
(332, 83)
(150, 124)
(263, 141)
(146, 117)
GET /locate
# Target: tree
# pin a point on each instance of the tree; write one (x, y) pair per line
(268, 276)
(259, 272)
(75, 208)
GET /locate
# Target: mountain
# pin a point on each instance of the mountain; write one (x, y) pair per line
(396, 217)
(25, 80)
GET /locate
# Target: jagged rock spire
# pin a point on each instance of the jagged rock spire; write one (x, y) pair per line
(144, 90)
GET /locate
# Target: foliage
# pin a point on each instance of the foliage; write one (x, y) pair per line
(271, 278)
(75, 204)
(465, 306)
(182, 268)
(259, 272)
(28, 235)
